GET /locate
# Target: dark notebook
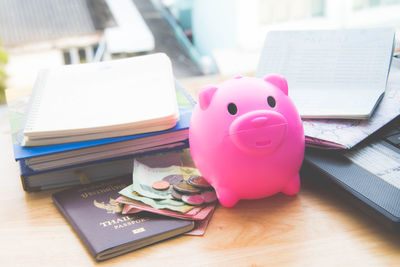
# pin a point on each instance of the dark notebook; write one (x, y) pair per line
(107, 233)
(367, 175)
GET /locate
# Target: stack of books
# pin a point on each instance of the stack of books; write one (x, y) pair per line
(86, 122)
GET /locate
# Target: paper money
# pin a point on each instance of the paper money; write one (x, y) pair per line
(144, 187)
(197, 213)
(169, 203)
(152, 190)
(201, 226)
(144, 177)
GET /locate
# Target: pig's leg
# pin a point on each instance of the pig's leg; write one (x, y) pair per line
(226, 197)
(293, 186)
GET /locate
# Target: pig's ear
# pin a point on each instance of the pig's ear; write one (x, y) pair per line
(278, 81)
(205, 96)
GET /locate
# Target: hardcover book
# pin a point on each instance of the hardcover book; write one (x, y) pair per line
(95, 172)
(97, 219)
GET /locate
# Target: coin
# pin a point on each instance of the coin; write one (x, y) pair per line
(160, 185)
(173, 178)
(175, 194)
(193, 199)
(185, 188)
(209, 196)
(198, 181)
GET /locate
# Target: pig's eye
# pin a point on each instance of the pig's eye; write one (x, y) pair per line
(271, 101)
(232, 109)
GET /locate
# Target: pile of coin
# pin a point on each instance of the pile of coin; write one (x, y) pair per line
(193, 191)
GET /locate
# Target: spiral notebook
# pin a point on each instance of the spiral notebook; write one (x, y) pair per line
(101, 100)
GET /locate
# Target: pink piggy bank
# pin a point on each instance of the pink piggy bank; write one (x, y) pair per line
(246, 138)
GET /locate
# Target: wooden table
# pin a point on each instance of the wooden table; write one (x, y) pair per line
(314, 228)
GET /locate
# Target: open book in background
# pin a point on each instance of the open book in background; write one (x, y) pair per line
(345, 134)
(102, 100)
(337, 74)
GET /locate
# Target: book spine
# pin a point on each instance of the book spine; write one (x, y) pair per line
(24, 168)
(28, 178)
(26, 171)
(21, 152)
(25, 186)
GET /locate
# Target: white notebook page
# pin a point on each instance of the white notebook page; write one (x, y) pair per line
(107, 95)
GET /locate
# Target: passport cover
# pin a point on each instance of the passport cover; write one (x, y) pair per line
(97, 219)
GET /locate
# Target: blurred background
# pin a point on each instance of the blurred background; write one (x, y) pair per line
(201, 37)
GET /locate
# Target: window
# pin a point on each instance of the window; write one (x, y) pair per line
(67, 57)
(272, 11)
(79, 55)
(366, 4)
(82, 55)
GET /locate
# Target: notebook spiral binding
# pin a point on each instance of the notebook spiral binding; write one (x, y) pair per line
(35, 101)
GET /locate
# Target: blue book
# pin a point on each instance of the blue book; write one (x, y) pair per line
(27, 170)
(28, 153)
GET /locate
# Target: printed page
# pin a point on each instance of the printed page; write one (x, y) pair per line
(348, 133)
(331, 74)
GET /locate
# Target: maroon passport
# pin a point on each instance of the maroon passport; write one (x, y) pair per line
(92, 212)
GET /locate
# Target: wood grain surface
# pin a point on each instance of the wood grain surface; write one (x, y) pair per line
(314, 228)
